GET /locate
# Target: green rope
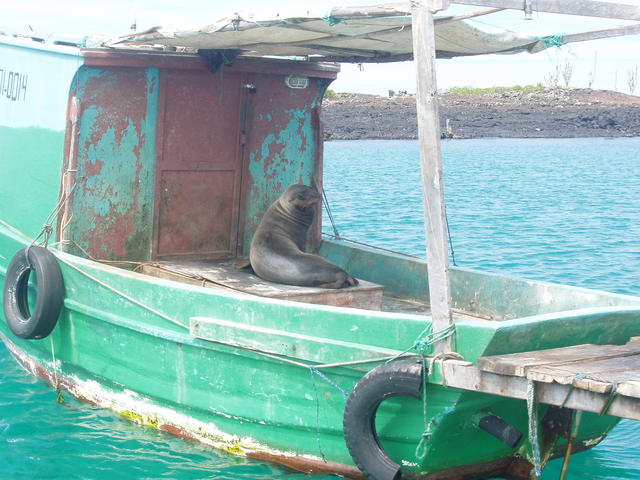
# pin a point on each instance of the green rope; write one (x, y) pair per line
(422, 345)
(551, 40)
(332, 20)
(556, 40)
(427, 338)
(612, 396)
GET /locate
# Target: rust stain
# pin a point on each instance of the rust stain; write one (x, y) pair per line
(111, 205)
(310, 465)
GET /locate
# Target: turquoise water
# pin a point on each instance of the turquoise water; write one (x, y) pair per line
(563, 210)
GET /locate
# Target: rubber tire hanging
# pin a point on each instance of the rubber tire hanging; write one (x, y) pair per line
(49, 296)
(395, 379)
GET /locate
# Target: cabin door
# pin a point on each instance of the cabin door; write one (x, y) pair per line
(198, 179)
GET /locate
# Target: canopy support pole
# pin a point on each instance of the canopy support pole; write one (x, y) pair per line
(424, 54)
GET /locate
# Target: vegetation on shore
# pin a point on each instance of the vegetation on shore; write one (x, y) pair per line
(332, 95)
(496, 90)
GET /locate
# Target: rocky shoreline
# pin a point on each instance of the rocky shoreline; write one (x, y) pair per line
(551, 113)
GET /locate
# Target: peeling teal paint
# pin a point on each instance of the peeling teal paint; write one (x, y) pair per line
(112, 188)
(84, 76)
(284, 158)
(116, 163)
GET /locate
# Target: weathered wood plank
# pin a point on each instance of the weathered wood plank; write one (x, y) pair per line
(468, 377)
(227, 276)
(588, 8)
(518, 364)
(597, 375)
(424, 53)
(630, 388)
(605, 33)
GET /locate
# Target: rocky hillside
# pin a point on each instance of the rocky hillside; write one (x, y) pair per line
(508, 113)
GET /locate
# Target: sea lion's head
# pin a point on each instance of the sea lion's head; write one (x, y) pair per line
(301, 197)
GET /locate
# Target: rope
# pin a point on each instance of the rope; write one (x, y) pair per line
(422, 344)
(427, 338)
(344, 239)
(424, 340)
(317, 372)
(551, 40)
(122, 294)
(332, 20)
(556, 40)
(532, 409)
(612, 396)
(453, 254)
(99, 260)
(317, 397)
(325, 201)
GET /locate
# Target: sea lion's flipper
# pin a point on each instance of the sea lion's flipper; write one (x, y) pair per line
(351, 281)
(245, 266)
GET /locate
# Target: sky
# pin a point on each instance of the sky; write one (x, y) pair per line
(607, 62)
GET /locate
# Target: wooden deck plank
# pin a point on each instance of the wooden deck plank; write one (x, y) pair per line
(228, 276)
(591, 378)
(629, 388)
(519, 363)
(466, 376)
(596, 375)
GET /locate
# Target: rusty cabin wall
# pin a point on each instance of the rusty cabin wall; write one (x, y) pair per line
(283, 145)
(111, 207)
(181, 162)
(199, 165)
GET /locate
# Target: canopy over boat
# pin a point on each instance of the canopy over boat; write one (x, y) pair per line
(357, 34)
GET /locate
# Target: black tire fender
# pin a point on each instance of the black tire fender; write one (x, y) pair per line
(397, 378)
(49, 298)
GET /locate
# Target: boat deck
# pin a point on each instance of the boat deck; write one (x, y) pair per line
(233, 276)
(596, 378)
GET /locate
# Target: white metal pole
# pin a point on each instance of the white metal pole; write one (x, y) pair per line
(424, 53)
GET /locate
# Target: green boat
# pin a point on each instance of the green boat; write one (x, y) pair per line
(135, 174)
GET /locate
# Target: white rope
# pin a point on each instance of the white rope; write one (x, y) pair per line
(122, 294)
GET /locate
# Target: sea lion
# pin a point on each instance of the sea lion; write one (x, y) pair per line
(278, 247)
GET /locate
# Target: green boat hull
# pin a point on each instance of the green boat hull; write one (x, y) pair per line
(156, 372)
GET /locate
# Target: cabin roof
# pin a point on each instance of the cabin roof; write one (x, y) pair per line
(361, 34)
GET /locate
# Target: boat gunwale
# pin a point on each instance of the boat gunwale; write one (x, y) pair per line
(495, 324)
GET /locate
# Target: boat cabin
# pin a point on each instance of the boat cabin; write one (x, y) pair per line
(178, 157)
(172, 160)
